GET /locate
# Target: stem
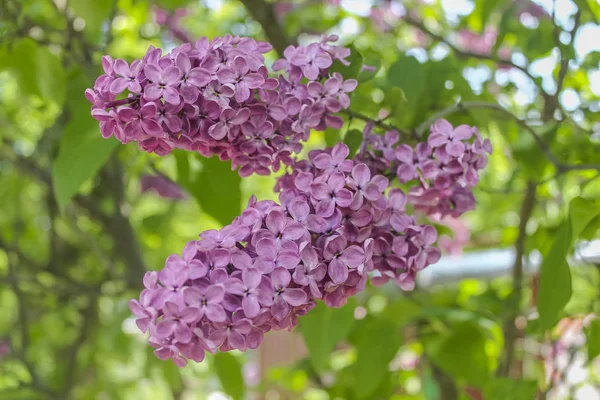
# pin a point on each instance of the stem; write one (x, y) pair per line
(419, 25)
(510, 329)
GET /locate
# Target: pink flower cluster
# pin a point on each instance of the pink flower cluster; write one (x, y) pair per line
(216, 97)
(334, 226)
(444, 169)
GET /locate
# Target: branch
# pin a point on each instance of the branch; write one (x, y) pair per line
(510, 329)
(559, 165)
(23, 319)
(263, 13)
(463, 53)
(90, 315)
(379, 123)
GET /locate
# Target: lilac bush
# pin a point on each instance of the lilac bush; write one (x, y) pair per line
(339, 220)
(216, 98)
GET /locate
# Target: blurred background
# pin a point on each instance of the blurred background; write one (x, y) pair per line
(82, 218)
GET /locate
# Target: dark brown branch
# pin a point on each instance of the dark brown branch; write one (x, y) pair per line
(263, 13)
(379, 123)
(510, 329)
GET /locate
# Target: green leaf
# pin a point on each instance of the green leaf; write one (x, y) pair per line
(555, 277)
(322, 328)
(94, 13)
(353, 70)
(37, 70)
(376, 343)
(353, 140)
(82, 150)
(409, 75)
(217, 189)
(229, 371)
(592, 334)
(462, 354)
(332, 137)
(507, 388)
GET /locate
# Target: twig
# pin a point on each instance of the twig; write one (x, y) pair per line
(24, 332)
(379, 123)
(463, 53)
(510, 330)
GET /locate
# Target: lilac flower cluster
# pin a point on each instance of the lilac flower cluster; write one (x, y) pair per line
(333, 226)
(444, 169)
(216, 97)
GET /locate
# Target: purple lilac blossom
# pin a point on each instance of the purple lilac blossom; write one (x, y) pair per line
(216, 98)
(444, 169)
(274, 261)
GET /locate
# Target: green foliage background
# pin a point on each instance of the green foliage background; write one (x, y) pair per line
(76, 233)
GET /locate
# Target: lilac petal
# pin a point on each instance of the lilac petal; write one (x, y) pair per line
(199, 77)
(253, 80)
(137, 309)
(278, 113)
(353, 256)
(192, 296)
(349, 85)
(241, 260)
(118, 85)
(120, 67)
(288, 259)
(215, 313)
(153, 73)
(220, 258)
(429, 235)
(343, 198)
(250, 306)
(462, 132)
(127, 114)
(171, 95)
(251, 278)
(322, 161)
(294, 231)
(295, 297)
(241, 117)
(437, 140)
(361, 174)
(340, 152)
(299, 210)
(235, 286)
(171, 76)
(236, 340)
(165, 328)
(280, 277)
(326, 207)
(226, 75)
(406, 172)
(267, 247)
(455, 148)
(443, 127)
(404, 153)
(152, 92)
(275, 222)
(319, 191)
(361, 218)
(215, 294)
(183, 333)
(334, 246)
(218, 131)
(280, 308)
(303, 181)
(338, 272)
